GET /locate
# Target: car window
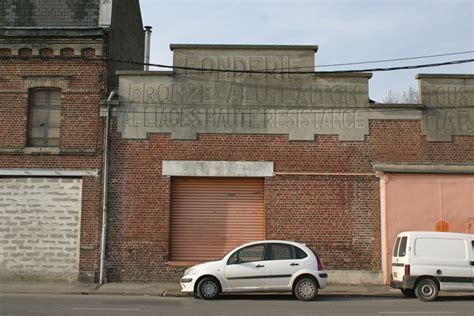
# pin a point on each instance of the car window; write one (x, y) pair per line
(247, 254)
(281, 252)
(403, 247)
(395, 249)
(299, 253)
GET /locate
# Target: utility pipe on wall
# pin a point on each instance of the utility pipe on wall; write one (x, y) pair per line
(146, 67)
(105, 187)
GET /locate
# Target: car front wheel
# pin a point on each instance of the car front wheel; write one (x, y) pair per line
(306, 289)
(427, 290)
(208, 288)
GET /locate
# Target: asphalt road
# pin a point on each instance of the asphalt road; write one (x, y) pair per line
(45, 304)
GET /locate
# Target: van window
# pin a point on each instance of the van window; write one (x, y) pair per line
(403, 247)
(441, 248)
(395, 249)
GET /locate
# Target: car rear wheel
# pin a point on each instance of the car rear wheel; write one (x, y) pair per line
(408, 293)
(208, 288)
(427, 290)
(306, 289)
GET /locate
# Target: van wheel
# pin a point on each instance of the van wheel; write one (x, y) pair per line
(427, 290)
(208, 288)
(306, 289)
(408, 293)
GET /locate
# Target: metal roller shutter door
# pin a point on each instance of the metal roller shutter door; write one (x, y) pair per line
(210, 216)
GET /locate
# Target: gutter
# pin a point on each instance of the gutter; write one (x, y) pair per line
(105, 189)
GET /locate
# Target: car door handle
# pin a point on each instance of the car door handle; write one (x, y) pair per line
(294, 264)
(259, 266)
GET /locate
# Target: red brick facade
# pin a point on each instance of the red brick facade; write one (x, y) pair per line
(337, 211)
(81, 132)
(65, 52)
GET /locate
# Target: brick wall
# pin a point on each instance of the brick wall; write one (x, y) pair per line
(83, 85)
(338, 215)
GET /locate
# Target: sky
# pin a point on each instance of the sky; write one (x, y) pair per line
(345, 31)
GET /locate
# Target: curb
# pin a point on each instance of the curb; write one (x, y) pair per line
(178, 293)
(174, 293)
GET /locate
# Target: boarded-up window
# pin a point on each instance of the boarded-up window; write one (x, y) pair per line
(44, 119)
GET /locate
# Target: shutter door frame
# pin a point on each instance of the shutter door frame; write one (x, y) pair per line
(211, 215)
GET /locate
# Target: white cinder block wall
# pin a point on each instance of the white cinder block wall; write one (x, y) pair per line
(39, 228)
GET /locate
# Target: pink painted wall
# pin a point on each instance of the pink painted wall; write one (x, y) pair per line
(419, 202)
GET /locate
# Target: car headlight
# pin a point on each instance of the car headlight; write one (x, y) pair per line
(191, 271)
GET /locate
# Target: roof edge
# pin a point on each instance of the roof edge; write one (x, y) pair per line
(244, 46)
(445, 76)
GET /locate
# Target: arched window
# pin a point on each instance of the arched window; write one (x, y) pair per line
(44, 117)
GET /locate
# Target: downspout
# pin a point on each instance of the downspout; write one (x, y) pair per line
(105, 187)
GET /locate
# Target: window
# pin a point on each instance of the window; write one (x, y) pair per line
(395, 249)
(281, 252)
(247, 254)
(44, 118)
(300, 254)
(403, 247)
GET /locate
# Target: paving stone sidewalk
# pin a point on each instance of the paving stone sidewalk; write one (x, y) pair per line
(167, 289)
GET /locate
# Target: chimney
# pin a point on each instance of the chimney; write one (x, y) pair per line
(147, 47)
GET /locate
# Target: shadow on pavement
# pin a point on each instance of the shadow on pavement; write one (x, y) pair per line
(320, 298)
(340, 297)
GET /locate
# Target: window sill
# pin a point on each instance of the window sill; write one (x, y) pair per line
(41, 150)
(50, 151)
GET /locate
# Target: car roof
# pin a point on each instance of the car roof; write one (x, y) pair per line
(435, 234)
(294, 243)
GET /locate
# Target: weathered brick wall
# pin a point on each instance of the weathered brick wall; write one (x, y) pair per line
(40, 228)
(337, 214)
(83, 85)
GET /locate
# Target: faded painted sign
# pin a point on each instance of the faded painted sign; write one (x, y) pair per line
(449, 106)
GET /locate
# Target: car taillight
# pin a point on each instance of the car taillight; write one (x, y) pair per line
(320, 264)
(407, 269)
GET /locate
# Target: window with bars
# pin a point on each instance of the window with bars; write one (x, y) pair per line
(44, 117)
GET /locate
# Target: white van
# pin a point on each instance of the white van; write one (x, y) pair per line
(424, 263)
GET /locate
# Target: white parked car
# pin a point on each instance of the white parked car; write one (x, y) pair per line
(424, 263)
(260, 266)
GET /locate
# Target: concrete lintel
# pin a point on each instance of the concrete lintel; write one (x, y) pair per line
(424, 168)
(193, 168)
(244, 46)
(49, 172)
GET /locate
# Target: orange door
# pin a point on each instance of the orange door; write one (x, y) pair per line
(429, 202)
(210, 216)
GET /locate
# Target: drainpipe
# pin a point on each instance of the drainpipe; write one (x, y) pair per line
(147, 47)
(105, 178)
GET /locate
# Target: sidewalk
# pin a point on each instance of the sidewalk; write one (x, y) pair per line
(170, 289)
